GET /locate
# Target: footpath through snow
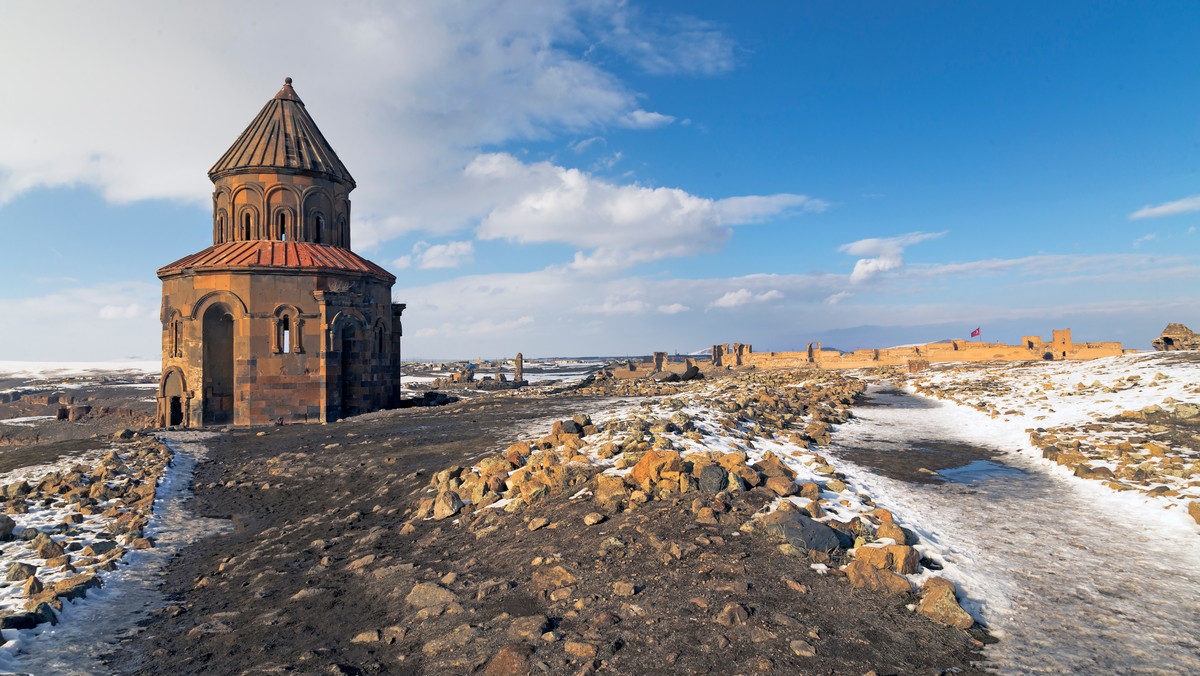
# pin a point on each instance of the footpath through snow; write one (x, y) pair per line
(1072, 575)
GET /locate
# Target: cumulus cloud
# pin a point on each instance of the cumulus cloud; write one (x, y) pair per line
(122, 311)
(427, 256)
(51, 324)
(884, 254)
(615, 225)
(743, 296)
(1183, 206)
(673, 308)
(641, 119)
(406, 94)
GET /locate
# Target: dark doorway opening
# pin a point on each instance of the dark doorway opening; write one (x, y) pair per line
(349, 388)
(173, 389)
(176, 414)
(218, 365)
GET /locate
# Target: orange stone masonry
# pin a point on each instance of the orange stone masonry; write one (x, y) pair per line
(1032, 348)
(278, 321)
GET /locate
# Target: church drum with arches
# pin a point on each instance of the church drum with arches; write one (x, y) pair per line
(279, 320)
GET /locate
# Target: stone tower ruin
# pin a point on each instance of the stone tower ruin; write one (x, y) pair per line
(278, 320)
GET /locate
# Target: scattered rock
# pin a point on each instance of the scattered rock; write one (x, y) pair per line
(528, 628)
(447, 504)
(429, 594)
(940, 605)
(510, 660)
(732, 615)
(865, 576)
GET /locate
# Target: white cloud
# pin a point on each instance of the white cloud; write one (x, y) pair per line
(641, 119)
(580, 146)
(406, 94)
(615, 225)
(448, 255)
(122, 311)
(743, 296)
(615, 306)
(673, 308)
(838, 297)
(63, 324)
(1137, 243)
(427, 256)
(670, 44)
(886, 254)
(1183, 206)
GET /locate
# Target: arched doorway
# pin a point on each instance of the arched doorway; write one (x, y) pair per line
(349, 352)
(173, 389)
(218, 365)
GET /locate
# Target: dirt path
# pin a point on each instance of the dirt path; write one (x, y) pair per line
(322, 574)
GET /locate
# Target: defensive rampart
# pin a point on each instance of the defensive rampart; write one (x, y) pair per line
(1032, 348)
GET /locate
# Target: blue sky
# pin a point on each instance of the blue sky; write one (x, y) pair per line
(604, 177)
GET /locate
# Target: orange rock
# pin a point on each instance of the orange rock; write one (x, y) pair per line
(781, 485)
(865, 576)
(905, 559)
(889, 529)
(649, 469)
(940, 605)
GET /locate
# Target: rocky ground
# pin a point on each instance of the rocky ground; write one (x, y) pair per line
(66, 526)
(618, 545)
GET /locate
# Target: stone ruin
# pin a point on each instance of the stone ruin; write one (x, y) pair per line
(1176, 337)
(468, 379)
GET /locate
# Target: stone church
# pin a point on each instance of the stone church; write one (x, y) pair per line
(278, 320)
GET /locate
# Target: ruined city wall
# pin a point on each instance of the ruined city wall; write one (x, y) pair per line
(1032, 348)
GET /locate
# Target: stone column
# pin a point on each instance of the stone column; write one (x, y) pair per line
(519, 368)
(659, 358)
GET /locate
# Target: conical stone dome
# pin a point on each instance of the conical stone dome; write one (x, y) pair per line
(282, 139)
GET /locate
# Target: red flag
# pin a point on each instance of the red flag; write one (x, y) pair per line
(975, 333)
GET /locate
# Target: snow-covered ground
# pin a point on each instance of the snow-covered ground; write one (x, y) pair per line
(88, 627)
(1070, 575)
(1072, 404)
(63, 369)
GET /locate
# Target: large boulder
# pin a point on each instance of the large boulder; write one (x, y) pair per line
(610, 491)
(940, 605)
(653, 465)
(863, 575)
(712, 478)
(898, 558)
(801, 531)
(446, 504)
(7, 525)
(428, 595)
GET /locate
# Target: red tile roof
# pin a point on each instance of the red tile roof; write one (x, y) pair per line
(304, 256)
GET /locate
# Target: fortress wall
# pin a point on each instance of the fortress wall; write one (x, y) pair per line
(1032, 348)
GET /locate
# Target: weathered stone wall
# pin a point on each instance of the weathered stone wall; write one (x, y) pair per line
(1177, 337)
(1032, 348)
(301, 350)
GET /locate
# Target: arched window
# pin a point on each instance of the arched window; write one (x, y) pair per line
(379, 340)
(284, 327)
(246, 226)
(320, 228)
(282, 226)
(176, 348)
